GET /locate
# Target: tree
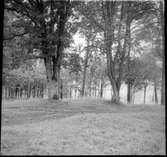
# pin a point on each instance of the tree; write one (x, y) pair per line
(98, 72)
(87, 32)
(143, 71)
(112, 19)
(45, 23)
(153, 31)
(135, 12)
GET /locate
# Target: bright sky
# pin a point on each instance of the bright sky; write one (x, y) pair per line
(78, 40)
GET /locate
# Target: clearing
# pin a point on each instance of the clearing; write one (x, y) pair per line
(82, 126)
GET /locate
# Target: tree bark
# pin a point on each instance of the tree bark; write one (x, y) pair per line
(90, 85)
(129, 93)
(85, 71)
(155, 93)
(115, 96)
(133, 95)
(101, 89)
(61, 87)
(145, 89)
(21, 92)
(6, 92)
(129, 100)
(50, 83)
(41, 90)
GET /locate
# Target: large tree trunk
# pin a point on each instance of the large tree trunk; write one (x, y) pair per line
(116, 88)
(53, 56)
(109, 9)
(52, 82)
(52, 65)
(115, 62)
(52, 87)
(115, 96)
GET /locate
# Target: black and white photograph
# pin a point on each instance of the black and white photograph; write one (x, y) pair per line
(83, 77)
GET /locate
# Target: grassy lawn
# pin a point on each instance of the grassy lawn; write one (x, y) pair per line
(83, 126)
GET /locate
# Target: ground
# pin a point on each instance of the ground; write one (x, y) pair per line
(82, 126)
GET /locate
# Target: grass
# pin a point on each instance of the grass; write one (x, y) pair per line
(82, 126)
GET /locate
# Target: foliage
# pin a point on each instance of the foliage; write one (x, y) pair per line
(143, 70)
(74, 63)
(128, 34)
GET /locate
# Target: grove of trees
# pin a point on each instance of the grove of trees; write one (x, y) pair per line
(124, 43)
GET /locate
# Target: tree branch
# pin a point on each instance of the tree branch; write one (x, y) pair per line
(14, 35)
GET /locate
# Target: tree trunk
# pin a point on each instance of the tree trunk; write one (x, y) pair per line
(75, 89)
(133, 95)
(52, 87)
(129, 100)
(29, 89)
(90, 90)
(21, 92)
(101, 89)
(84, 73)
(61, 87)
(115, 96)
(53, 56)
(90, 86)
(129, 93)
(41, 90)
(83, 82)
(13, 93)
(16, 93)
(52, 80)
(109, 10)
(70, 92)
(155, 93)
(145, 88)
(6, 92)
